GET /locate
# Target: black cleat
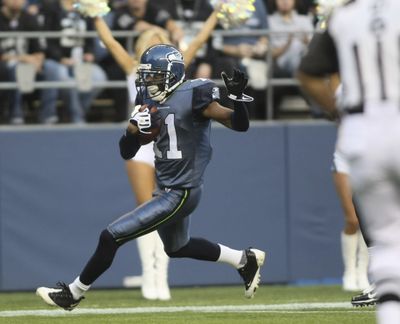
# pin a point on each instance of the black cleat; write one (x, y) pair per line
(366, 298)
(60, 296)
(250, 272)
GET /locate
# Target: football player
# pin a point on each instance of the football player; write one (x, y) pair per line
(140, 168)
(182, 150)
(369, 134)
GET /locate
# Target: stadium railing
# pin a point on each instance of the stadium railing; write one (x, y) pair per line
(130, 35)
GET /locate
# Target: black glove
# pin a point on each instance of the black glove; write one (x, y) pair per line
(236, 84)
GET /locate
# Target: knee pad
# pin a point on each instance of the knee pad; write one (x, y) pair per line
(389, 298)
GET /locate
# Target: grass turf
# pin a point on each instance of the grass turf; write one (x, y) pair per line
(199, 296)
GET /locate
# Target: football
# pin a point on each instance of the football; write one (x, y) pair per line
(155, 125)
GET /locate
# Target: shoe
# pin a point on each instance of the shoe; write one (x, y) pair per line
(250, 272)
(366, 298)
(60, 296)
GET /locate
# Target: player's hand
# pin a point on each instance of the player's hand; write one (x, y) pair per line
(141, 119)
(236, 84)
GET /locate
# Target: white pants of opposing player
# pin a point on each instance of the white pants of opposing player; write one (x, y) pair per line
(370, 143)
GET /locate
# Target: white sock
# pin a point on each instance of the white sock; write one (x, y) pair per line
(388, 313)
(78, 289)
(231, 256)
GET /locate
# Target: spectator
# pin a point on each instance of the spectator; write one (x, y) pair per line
(293, 32)
(303, 7)
(191, 15)
(288, 48)
(140, 15)
(249, 52)
(69, 51)
(136, 15)
(14, 51)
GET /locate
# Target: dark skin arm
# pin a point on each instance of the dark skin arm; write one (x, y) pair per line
(219, 113)
(319, 89)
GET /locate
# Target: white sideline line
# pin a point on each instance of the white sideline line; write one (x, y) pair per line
(173, 309)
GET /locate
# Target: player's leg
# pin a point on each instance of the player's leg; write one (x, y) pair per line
(349, 236)
(161, 266)
(368, 296)
(140, 173)
(179, 244)
(378, 197)
(354, 250)
(146, 218)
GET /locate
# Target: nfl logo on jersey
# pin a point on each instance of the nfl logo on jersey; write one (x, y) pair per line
(215, 93)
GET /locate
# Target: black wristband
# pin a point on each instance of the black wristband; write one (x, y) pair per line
(128, 145)
(240, 117)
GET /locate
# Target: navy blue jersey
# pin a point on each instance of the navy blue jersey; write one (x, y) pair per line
(183, 147)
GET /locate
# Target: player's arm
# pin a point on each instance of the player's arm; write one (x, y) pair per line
(238, 118)
(221, 114)
(315, 69)
(201, 38)
(129, 143)
(124, 60)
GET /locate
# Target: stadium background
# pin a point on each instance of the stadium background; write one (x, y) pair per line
(270, 188)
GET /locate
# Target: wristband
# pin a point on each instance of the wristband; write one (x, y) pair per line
(243, 97)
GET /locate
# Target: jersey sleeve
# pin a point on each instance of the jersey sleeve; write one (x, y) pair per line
(203, 95)
(321, 58)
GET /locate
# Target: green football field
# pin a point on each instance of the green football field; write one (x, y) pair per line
(272, 304)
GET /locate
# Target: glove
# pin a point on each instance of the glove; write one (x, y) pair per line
(141, 119)
(236, 85)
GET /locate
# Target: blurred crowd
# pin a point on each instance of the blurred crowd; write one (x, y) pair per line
(70, 57)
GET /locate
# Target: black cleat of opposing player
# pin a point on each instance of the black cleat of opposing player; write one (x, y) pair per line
(60, 296)
(250, 272)
(366, 298)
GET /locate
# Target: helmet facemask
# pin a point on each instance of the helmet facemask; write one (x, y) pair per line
(156, 83)
(161, 71)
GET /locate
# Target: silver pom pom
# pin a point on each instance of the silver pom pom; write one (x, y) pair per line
(233, 13)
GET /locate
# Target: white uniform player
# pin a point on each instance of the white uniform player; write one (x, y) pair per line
(363, 36)
(154, 260)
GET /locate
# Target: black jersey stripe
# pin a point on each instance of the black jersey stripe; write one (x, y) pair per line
(380, 69)
(359, 74)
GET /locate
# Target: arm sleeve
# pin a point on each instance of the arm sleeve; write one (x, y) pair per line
(240, 117)
(203, 95)
(128, 145)
(321, 58)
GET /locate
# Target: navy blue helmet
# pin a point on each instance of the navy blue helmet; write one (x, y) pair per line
(160, 72)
